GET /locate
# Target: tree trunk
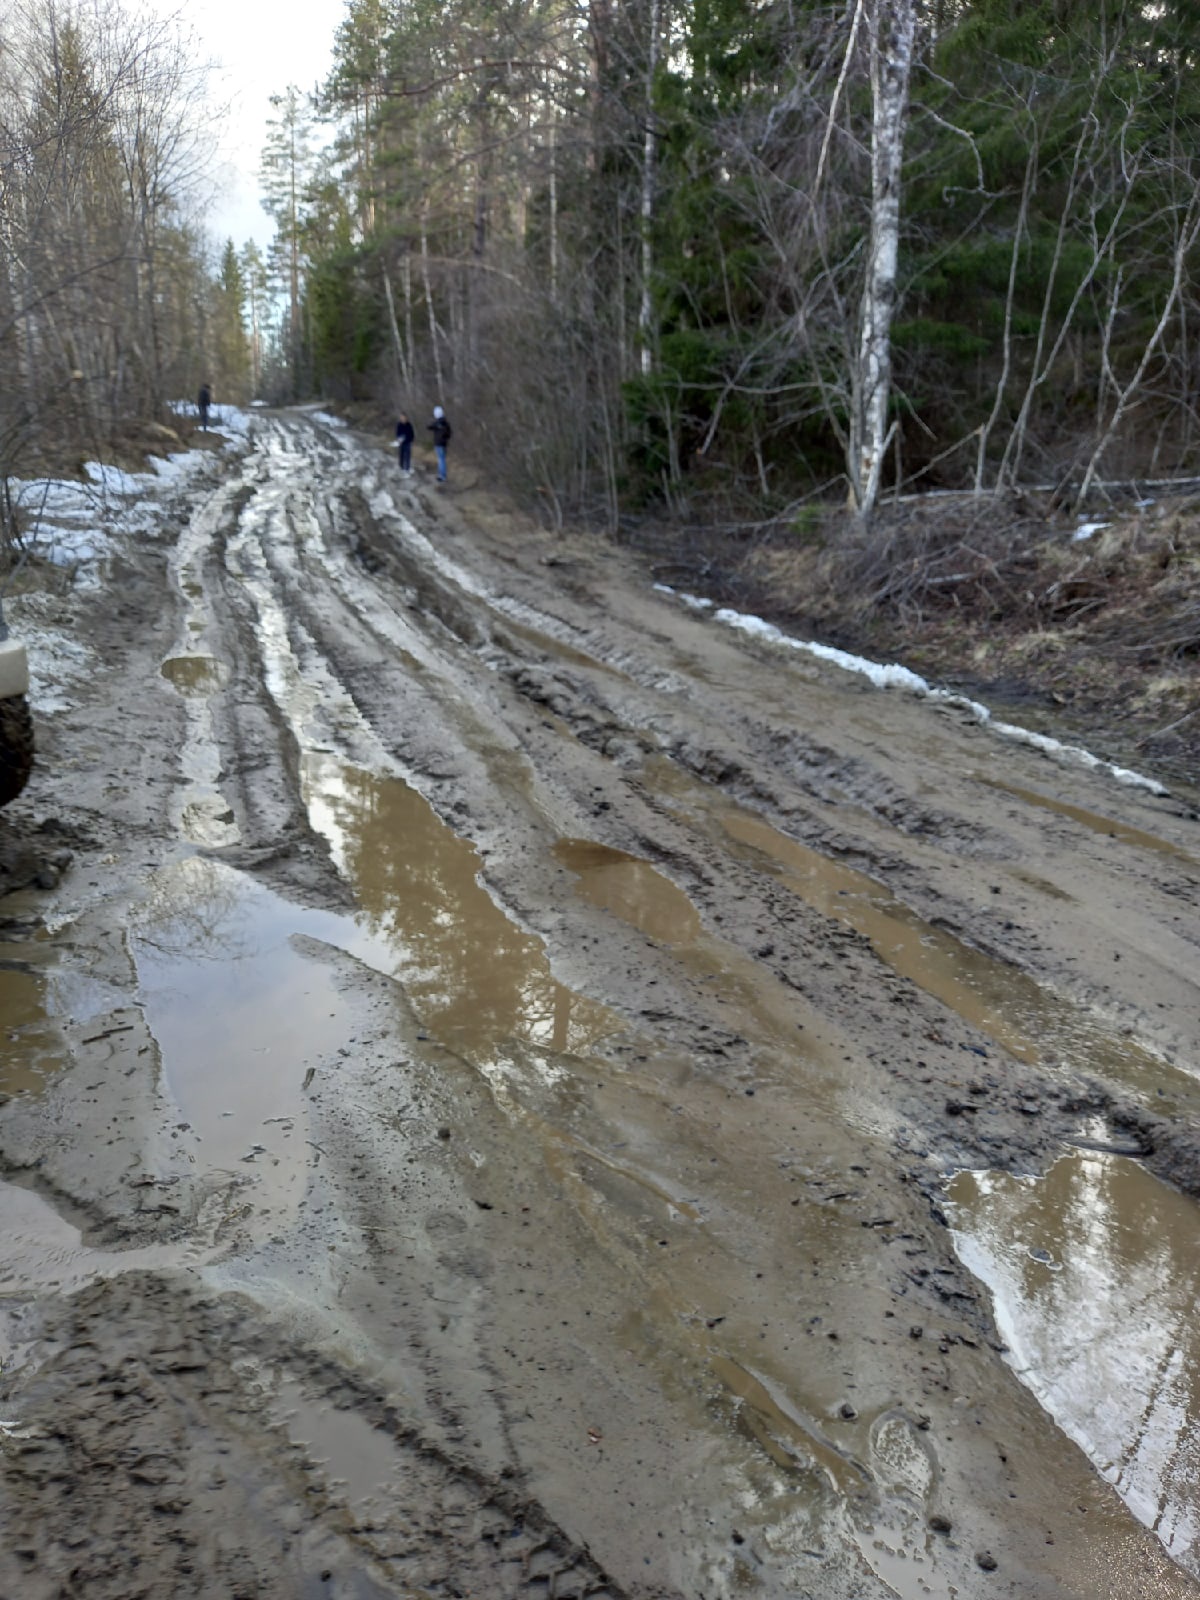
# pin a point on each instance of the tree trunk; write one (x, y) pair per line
(403, 376)
(649, 185)
(893, 28)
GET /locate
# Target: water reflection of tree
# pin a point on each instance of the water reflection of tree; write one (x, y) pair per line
(197, 909)
(465, 963)
(30, 1046)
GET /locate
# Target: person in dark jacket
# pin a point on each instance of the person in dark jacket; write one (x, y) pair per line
(440, 427)
(405, 434)
(203, 401)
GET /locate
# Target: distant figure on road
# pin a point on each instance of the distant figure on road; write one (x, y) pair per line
(203, 401)
(405, 434)
(441, 438)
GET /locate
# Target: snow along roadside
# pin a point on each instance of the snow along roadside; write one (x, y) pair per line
(891, 676)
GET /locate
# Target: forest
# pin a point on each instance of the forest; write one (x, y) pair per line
(114, 302)
(726, 260)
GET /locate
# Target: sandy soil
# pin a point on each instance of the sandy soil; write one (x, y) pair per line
(481, 1094)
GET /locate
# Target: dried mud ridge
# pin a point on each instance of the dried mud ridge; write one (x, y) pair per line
(513, 1033)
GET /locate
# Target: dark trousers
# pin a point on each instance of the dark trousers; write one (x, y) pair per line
(405, 455)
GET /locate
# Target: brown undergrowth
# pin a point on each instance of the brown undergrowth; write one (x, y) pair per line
(1096, 636)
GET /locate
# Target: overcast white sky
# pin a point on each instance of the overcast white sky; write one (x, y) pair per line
(261, 46)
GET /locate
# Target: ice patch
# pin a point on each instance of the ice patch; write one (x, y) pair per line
(1085, 530)
(328, 419)
(891, 676)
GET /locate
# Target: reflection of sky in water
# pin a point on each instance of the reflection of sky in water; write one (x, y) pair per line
(238, 1012)
(1094, 1271)
(469, 971)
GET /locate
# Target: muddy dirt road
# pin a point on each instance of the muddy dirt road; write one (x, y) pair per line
(484, 1101)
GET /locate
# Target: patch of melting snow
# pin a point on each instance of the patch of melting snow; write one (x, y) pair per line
(71, 524)
(57, 663)
(1094, 1277)
(890, 675)
(113, 480)
(1085, 530)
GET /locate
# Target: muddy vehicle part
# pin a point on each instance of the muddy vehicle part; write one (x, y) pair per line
(16, 724)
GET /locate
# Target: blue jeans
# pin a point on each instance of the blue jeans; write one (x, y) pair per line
(405, 454)
(441, 458)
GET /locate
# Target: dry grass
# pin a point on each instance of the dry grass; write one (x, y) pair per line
(1000, 598)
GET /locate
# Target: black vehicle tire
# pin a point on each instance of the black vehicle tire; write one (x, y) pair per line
(16, 746)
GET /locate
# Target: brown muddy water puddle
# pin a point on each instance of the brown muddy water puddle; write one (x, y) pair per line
(31, 1045)
(240, 1013)
(631, 889)
(1094, 1272)
(38, 1248)
(1107, 827)
(246, 1011)
(1006, 1005)
(473, 976)
(244, 1008)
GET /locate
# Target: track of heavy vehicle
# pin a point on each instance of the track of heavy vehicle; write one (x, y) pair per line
(490, 1076)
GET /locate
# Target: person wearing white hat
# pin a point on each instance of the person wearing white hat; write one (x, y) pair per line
(441, 438)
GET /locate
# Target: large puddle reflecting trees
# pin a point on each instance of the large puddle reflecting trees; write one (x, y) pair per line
(473, 975)
(1094, 1272)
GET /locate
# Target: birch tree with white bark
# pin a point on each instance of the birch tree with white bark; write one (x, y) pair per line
(892, 35)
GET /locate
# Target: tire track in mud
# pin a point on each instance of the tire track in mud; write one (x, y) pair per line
(868, 791)
(291, 598)
(172, 1408)
(297, 599)
(742, 1268)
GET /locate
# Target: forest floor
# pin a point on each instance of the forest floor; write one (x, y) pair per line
(516, 1084)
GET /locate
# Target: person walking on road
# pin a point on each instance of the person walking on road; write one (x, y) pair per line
(441, 438)
(203, 401)
(405, 434)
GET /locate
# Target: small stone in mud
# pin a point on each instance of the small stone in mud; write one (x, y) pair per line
(916, 1331)
(848, 1411)
(939, 1523)
(443, 1133)
(985, 1560)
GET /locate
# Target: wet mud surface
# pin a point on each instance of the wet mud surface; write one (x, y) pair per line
(509, 1088)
